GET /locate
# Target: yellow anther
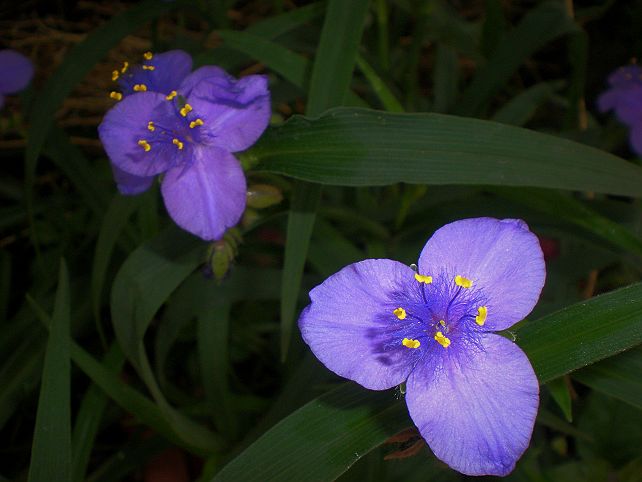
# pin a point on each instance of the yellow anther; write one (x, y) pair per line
(442, 322)
(148, 67)
(400, 313)
(171, 95)
(114, 75)
(482, 313)
(463, 282)
(150, 126)
(422, 278)
(178, 144)
(186, 109)
(140, 88)
(125, 67)
(195, 123)
(144, 144)
(148, 56)
(115, 95)
(410, 343)
(442, 340)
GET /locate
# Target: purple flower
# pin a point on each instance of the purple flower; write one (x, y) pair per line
(158, 73)
(188, 136)
(16, 72)
(472, 393)
(625, 98)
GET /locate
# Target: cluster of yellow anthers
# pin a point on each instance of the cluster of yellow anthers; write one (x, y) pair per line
(115, 75)
(400, 313)
(151, 127)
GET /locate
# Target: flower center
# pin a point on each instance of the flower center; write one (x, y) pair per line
(451, 311)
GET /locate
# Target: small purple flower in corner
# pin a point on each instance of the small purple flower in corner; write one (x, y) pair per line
(472, 393)
(188, 135)
(624, 97)
(16, 72)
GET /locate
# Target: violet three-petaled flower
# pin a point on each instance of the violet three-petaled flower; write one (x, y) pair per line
(624, 97)
(472, 393)
(189, 136)
(16, 72)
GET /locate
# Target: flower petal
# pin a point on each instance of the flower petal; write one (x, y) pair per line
(213, 74)
(235, 112)
(635, 137)
(128, 184)
(348, 323)
(476, 410)
(502, 258)
(16, 71)
(125, 125)
(169, 70)
(207, 197)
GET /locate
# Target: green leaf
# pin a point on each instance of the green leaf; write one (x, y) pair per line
(537, 28)
(385, 95)
(51, 449)
(562, 396)
(292, 66)
(115, 220)
(565, 208)
(519, 110)
(445, 77)
(618, 376)
(133, 402)
(329, 84)
(322, 439)
(89, 418)
(361, 147)
(583, 333)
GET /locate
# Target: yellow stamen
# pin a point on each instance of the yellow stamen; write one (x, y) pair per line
(400, 313)
(114, 75)
(482, 313)
(410, 343)
(186, 109)
(125, 67)
(178, 144)
(442, 322)
(422, 278)
(463, 282)
(148, 67)
(148, 56)
(116, 95)
(171, 95)
(195, 123)
(442, 340)
(144, 144)
(151, 126)
(140, 88)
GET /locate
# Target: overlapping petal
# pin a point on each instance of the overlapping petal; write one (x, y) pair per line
(502, 258)
(208, 196)
(169, 70)
(125, 125)
(348, 324)
(16, 71)
(130, 185)
(476, 410)
(236, 112)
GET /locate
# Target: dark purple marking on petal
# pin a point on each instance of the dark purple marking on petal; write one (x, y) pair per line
(208, 196)
(16, 71)
(502, 258)
(476, 408)
(351, 328)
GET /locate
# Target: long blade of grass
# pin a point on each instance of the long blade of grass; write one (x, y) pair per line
(51, 449)
(361, 147)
